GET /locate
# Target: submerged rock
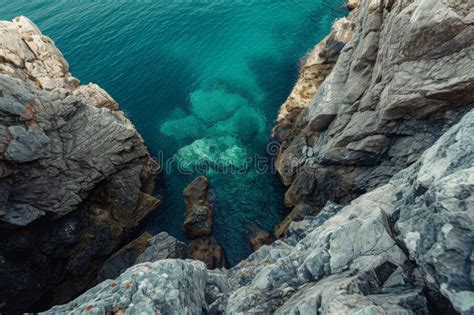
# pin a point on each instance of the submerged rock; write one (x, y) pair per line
(217, 131)
(213, 154)
(75, 176)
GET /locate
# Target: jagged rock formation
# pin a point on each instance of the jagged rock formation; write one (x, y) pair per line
(318, 65)
(197, 224)
(198, 214)
(259, 237)
(207, 250)
(380, 149)
(143, 249)
(298, 213)
(405, 75)
(75, 176)
(404, 248)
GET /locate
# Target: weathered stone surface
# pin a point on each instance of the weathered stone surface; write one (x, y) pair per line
(404, 248)
(259, 237)
(75, 176)
(298, 229)
(436, 217)
(318, 65)
(162, 246)
(404, 75)
(297, 214)
(198, 214)
(145, 248)
(207, 250)
(164, 287)
(123, 258)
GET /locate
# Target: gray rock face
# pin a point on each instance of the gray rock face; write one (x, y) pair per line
(403, 248)
(145, 248)
(436, 217)
(162, 246)
(402, 79)
(75, 176)
(197, 224)
(198, 215)
(163, 287)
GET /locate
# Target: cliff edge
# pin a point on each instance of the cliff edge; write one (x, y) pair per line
(75, 176)
(402, 73)
(378, 136)
(403, 248)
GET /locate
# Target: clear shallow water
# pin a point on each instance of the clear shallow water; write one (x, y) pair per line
(202, 81)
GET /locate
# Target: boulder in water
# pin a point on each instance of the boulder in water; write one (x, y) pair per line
(198, 214)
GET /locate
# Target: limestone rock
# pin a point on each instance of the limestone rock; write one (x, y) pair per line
(164, 287)
(436, 217)
(259, 237)
(403, 76)
(75, 176)
(298, 228)
(405, 248)
(297, 214)
(198, 215)
(207, 250)
(162, 246)
(317, 66)
(354, 262)
(145, 248)
(123, 258)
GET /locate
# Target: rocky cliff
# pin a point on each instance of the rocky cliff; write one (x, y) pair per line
(75, 176)
(404, 73)
(392, 79)
(403, 248)
(378, 153)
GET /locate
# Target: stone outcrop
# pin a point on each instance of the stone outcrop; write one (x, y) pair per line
(145, 248)
(164, 287)
(207, 250)
(404, 76)
(318, 65)
(297, 214)
(123, 258)
(197, 224)
(403, 248)
(75, 176)
(378, 154)
(259, 237)
(162, 246)
(198, 214)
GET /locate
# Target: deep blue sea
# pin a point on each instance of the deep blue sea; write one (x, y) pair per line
(202, 81)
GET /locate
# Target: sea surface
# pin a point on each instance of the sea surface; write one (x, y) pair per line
(202, 81)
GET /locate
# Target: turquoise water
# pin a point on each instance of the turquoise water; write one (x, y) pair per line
(202, 81)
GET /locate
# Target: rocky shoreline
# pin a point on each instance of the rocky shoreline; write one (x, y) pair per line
(377, 151)
(75, 176)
